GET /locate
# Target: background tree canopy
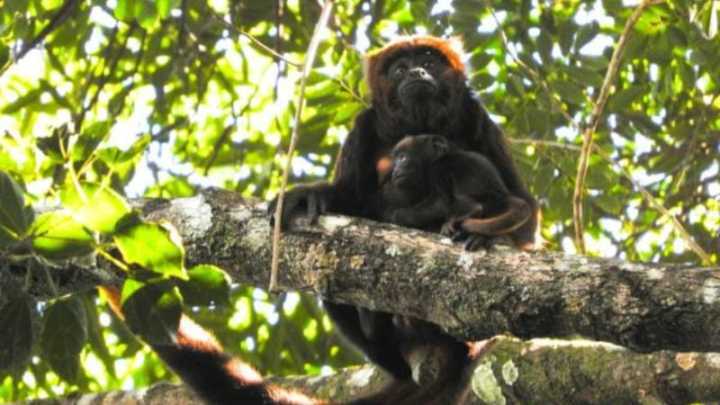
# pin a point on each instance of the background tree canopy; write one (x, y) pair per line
(132, 98)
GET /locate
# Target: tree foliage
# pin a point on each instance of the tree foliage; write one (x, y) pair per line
(103, 101)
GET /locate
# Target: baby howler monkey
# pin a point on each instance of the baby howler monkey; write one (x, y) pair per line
(431, 184)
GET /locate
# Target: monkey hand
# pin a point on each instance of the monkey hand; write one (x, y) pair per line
(314, 198)
(453, 229)
(403, 217)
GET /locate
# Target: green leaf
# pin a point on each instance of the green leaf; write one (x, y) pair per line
(95, 337)
(4, 54)
(64, 336)
(90, 139)
(164, 7)
(347, 111)
(174, 187)
(30, 97)
(152, 310)
(147, 13)
(569, 92)
(51, 145)
(622, 99)
(16, 332)
(14, 218)
(155, 247)
(56, 235)
(545, 45)
(207, 285)
(125, 9)
(586, 34)
(96, 207)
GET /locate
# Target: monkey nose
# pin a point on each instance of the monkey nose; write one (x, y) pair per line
(419, 73)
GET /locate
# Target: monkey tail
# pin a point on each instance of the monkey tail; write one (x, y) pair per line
(514, 217)
(200, 361)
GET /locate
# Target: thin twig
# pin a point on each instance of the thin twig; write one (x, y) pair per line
(679, 228)
(226, 133)
(55, 21)
(256, 42)
(644, 192)
(554, 98)
(346, 86)
(542, 142)
(309, 60)
(601, 100)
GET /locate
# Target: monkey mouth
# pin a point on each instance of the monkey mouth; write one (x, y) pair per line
(418, 88)
(403, 180)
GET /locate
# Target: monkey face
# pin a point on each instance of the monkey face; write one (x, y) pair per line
(414, 75)
(412, 160)
(418, 85)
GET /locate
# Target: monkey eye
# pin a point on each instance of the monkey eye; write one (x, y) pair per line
(399, 70)
(427, 64)
(440, 145)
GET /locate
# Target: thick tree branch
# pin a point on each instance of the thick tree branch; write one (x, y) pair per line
(471, 295)
(513, 371)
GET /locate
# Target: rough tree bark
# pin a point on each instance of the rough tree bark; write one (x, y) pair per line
(511, 371)
(644, 307)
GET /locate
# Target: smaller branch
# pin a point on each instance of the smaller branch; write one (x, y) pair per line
(309, 60)
(345, 86)
(554, 98)
(595, 116)
(218, 145)
(650, 199)
(279, 11)
(541, 142)
(257, 42)
(57, 19)
(644, 192)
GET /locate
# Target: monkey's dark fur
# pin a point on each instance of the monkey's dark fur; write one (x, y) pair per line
(433, 185)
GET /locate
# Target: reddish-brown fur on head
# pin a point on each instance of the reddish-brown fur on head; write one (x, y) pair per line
(451, 48)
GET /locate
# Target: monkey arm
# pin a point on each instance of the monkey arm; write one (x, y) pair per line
(429, 212)
(354, 183)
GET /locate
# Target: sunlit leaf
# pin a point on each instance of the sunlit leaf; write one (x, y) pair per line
(206, 285)
(153, 246)
(164, 7)
(96, 207)
(57, 235)
(28, 98)
(14, 218)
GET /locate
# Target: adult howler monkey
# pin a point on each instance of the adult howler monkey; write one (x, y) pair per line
(433, 185)
(418, 85)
